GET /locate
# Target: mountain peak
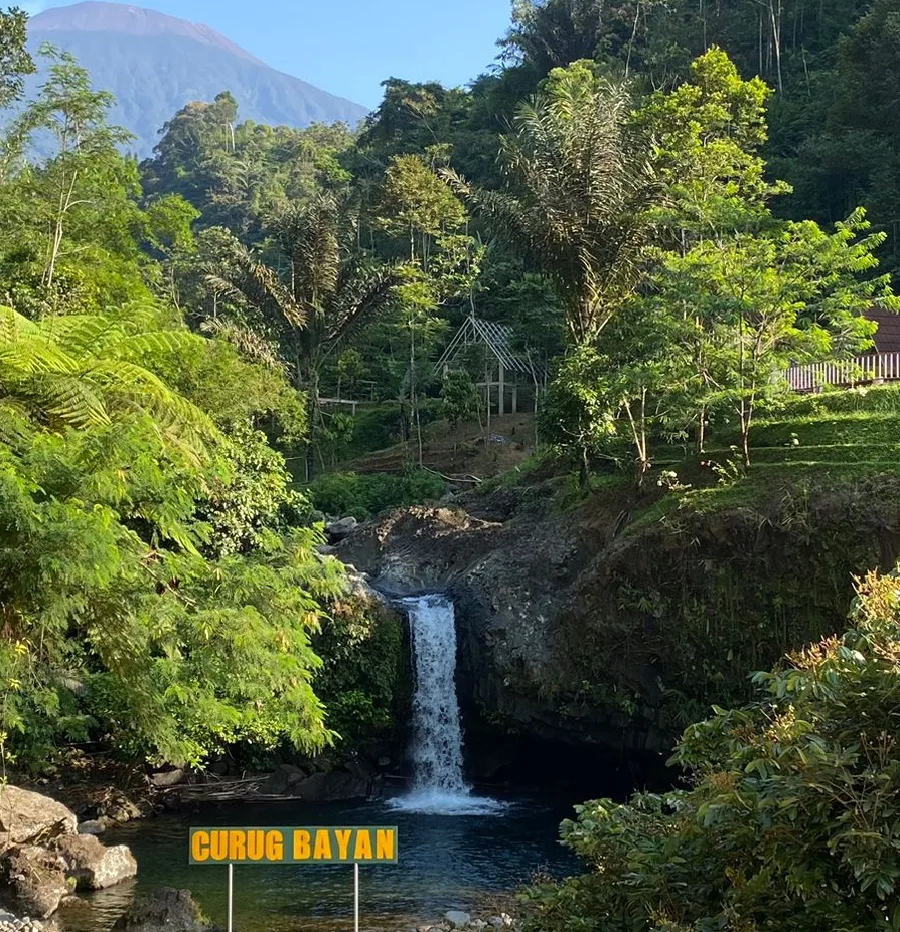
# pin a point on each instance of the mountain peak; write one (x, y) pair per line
(97, 16)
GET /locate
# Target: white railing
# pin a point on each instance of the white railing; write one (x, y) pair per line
(881, 367)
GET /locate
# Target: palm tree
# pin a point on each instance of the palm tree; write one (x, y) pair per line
(315, 295)
(576, 203)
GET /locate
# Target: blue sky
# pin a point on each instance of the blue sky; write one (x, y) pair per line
(348, 47)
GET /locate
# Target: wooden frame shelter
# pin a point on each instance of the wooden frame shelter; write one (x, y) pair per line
(511, 380)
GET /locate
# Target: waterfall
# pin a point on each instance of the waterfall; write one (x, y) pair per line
(437, 739)
(437, 751)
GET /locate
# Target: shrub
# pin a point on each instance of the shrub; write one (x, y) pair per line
(364, 496)
(793, 821)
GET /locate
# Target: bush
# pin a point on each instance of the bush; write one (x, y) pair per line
(364, 496)
(364, 682)
(794, 818)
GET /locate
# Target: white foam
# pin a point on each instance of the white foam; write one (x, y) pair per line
(434, 802)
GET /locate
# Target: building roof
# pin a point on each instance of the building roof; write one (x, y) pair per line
(496, 337)
(887, 337)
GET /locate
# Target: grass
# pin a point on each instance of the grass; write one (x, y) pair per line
(816, 441)
(809, 442)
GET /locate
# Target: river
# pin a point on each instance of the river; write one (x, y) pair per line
(468, 862)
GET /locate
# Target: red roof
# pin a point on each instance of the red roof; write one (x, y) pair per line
(887, 337)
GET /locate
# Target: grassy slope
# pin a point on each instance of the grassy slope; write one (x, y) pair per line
(822, 441)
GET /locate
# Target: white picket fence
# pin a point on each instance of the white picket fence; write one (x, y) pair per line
(881, 367)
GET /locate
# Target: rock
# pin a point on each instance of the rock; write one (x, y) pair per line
(121, 809)
(164, 910)
(329, 787)
(341, 529)
(457, 918)
(92, 864)
(167, 778)
(479, 924)
(35, 879)
(91, 827)
(28, 818)
(282, 780)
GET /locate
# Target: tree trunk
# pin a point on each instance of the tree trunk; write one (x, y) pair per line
(584, 469)
(65, 202)
(312, 413)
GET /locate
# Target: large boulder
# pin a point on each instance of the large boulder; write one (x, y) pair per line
(34, 880)
(341, 529)
(164, 910)
(333, 786)
(28, 818)
(92, 865)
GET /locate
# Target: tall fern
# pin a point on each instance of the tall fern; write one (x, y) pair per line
(84, 371)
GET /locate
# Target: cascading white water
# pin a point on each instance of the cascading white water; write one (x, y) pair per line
(437, 752)
(437, 740)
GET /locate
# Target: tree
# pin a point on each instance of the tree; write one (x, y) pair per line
(15, 61)
(75, 115)
(69, 223)
(81, 372)
(459, 398)
(791, 819)
(578, 194)
(324, 292)
(149, 561)
(764, 301)
(415, 203)
(707, 136)
(444, 263)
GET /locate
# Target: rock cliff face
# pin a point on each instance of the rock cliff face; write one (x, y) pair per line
(614, 625)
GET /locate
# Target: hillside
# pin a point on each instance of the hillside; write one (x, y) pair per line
(154, 64)
(614, 617)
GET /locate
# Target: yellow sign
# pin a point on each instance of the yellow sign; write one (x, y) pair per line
(315, 845)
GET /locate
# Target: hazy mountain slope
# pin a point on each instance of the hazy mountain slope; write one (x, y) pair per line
(155, 64)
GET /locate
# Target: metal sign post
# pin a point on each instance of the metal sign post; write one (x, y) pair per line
(355, 897)
(231, 898)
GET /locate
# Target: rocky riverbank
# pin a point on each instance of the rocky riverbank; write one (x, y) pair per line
(11, 923)
(46, 857)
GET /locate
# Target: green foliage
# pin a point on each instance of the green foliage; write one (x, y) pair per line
(313, 296)
(578, 195)
(128, 614)
(364, 496)
(792, 818)
(707, 135)
(364, 681)
(459, 398)
(238, 176)
(15, 62)
(255, 501)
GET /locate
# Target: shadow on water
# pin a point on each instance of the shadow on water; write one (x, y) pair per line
(446, 862)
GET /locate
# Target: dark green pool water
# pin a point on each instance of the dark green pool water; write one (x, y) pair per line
(446, 862)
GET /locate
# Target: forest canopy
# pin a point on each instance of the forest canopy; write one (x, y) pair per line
(664, 204)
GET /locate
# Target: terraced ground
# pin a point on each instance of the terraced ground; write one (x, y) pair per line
(815, 441)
